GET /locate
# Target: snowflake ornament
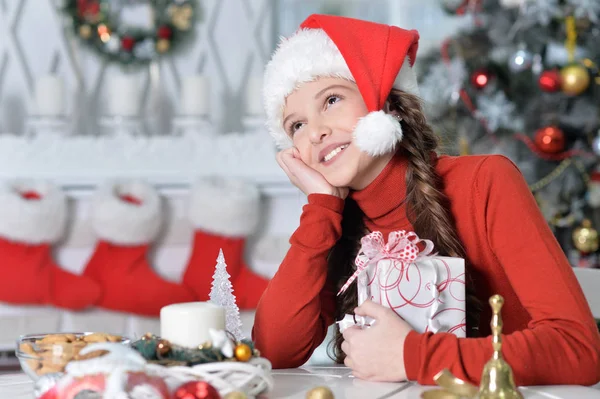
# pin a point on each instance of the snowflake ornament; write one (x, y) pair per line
(589, 9)
(541, 11)
(441, 85)
(498, 112)
(220, 340)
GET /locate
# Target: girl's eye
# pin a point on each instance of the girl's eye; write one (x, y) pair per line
(295, 126)
(333, 99)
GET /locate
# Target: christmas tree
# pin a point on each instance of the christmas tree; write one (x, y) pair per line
(522, 80)
(221, 294)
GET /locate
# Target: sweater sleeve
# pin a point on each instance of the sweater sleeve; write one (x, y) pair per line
(561, 344)
(297, 307)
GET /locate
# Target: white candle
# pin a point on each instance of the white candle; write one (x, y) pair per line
(195, 93)
(187, 324)
(50, 96)
(254, 105)
(123, 96)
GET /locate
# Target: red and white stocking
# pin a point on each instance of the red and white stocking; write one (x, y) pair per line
(33, 216)
(224, 213)
(126, 217)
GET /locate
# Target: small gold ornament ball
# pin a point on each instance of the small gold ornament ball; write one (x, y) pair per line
(163, 45)
(163, 347)
(235, 395)
(575, 79)
(320, 393)
(243, 352)
(585, 238)
(85, 31)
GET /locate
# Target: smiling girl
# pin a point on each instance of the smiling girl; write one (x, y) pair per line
(342, 103)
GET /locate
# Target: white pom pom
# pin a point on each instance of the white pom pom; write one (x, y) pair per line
(377, 133)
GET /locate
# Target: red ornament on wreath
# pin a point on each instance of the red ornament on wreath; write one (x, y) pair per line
(88, 9)
(481, 78)
(550, 81)
(164, 32)
(550, 139)
(196, 390)
(127, 43)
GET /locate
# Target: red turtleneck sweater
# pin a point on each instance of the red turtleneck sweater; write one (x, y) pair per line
(549, 334)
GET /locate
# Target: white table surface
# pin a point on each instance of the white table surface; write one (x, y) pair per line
(294, 383)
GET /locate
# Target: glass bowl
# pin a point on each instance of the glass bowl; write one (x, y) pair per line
(41, 354)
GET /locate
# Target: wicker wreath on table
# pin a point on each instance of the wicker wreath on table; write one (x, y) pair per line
(224, 364)
(132, 31)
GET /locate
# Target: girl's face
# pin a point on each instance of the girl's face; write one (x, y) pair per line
(320, 117)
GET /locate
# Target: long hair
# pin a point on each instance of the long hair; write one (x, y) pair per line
(427, 209)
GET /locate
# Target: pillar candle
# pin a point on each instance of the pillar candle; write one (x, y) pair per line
(123, 96)
(187, 324)
(195, 93)
(254, 104)
(50, 96)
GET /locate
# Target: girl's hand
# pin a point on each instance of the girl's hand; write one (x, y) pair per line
(308, 180)
(377, 353)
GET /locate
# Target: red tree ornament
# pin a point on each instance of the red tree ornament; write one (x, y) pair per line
(481, 78)
(196, 390)
(550, 139)
(550, 81)
(127, 43)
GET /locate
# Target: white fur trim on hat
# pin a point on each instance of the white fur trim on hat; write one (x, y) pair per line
(304, 57)
(377, 133)
(32, 221)
(122, 222)
(225, 206)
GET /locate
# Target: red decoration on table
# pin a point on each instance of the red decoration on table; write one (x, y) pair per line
(127, 43)
(481, 78)
(550, 139)
(550, 81)
(196, 390)
(164, 32)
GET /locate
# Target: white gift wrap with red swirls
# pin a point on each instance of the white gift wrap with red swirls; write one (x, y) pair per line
(427, 291)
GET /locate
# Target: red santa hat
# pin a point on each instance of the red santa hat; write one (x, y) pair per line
(376, 57)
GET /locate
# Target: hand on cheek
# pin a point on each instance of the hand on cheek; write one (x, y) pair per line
(304, 177)
(376, 353)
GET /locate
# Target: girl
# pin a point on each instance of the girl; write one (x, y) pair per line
(341, 99)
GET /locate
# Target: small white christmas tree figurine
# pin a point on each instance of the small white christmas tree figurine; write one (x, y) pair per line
(221, 294)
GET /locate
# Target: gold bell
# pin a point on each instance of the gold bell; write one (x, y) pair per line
(497, 381)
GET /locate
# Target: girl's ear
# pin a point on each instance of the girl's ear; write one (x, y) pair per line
(388, 110)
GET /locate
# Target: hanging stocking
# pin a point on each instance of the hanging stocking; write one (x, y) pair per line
(224, 213)
(32, 217)
(126, 217)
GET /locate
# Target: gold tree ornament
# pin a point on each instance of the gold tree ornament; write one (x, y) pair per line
(585, 237)
(575, 79)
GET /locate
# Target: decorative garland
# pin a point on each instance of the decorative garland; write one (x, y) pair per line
(159, 351)
(97, 23)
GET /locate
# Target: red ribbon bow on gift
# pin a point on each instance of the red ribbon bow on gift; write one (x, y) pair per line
(401, 246)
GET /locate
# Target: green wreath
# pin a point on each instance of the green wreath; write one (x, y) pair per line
(132, 31)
